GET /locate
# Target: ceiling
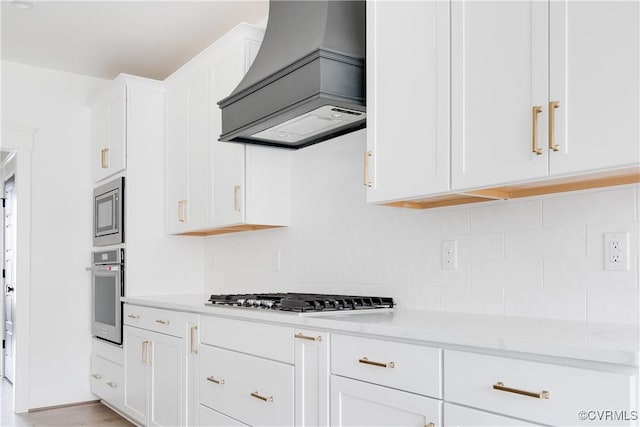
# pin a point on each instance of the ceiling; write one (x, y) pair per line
(150, 38)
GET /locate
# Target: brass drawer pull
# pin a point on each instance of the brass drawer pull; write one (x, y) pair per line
(133, 316)
(162, 322)
(104, 158)
(431, 425)
(97, 376)
(307, 337)
(264, 399)
(552, 127)
(534, 130)
(215, 380)
(542, 395)
(192, 339)
(112, 384)
(380, 364)
(367, 156)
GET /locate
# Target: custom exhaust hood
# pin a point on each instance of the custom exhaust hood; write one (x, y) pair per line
(307, 83)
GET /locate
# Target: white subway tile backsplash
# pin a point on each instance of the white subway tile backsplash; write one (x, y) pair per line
(546, 304)
(539, 257)
(506, 215)
(592, 207)
(612, 307)
(522, 273)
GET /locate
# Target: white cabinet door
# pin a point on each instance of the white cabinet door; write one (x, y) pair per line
(165, 365)
(407, 99)
(136, 374)
(311, 376)
(187, 152)
(227, 159)
(356, 403)
(499, 72)
(108, 111)
(595, 77)
(460, 416)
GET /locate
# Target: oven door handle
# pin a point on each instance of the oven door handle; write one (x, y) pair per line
(104, 268)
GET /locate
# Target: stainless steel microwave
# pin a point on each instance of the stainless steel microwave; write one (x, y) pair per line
(108, 213)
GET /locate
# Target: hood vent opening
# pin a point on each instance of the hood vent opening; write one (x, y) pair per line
(307, 83)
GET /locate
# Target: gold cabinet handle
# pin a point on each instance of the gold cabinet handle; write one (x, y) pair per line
(182, 210)
(112, 384)
(145, 353)
(133, 316)
(537, 109)
(215, 380)
(552, 106)
(366, 361)
(263, 398)
(162, 322)
(97, 376)
(104, 158)
(236, 205)
(501, 387)
(367, 155)
(192, 337)
(430, 425)
(307, 337)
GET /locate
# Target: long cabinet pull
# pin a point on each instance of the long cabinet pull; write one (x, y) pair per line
(112, 384)
(430, 425)
(104, 159)
(215, 380)
(501, 387)
(307, 337)
(367, 155)
(133, 316)
(263, 398)
(192, 337)
(162, 322)
(182, 210)
(144, 352)
(236, 204)
(97, 376)
(366, 361)
(552, 106)
(537, 109)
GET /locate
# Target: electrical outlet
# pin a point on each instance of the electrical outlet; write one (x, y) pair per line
(616, 251)
(449, 255)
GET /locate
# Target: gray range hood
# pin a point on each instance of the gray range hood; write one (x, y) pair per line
(307, 83)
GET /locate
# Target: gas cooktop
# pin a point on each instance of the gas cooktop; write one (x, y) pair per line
(301, 303)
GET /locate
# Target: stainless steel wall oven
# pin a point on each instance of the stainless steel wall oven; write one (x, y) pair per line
(107, 290)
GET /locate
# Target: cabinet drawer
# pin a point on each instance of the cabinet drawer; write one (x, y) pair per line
(472, 379)
(209, 417)
(404, 366)
(107, 381)
(154, 319)
(250, 389)
(111, 352)
(270, 341)
(461, 416)
(357, 403)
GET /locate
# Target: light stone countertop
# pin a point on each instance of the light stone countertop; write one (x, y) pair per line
(532, 338)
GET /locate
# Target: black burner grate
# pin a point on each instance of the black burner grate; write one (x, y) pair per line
(302, 302)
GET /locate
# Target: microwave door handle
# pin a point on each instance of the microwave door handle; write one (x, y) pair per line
(99, 268)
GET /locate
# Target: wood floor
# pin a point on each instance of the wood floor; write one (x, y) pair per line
(89, 414)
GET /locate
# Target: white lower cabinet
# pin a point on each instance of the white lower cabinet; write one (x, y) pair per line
(357, 403)
(158, 366)
(460, 416)
(107, 373)
(381, 383)
(539, 392)
(311, 383)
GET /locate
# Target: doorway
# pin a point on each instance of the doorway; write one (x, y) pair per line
(8, 204)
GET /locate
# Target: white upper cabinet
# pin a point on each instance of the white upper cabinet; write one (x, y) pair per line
(407, 154)
(109, 138)
(594, 69)
(543, 89)
(216, 187)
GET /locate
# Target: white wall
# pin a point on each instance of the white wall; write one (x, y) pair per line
(538, 257)
(60, 337)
